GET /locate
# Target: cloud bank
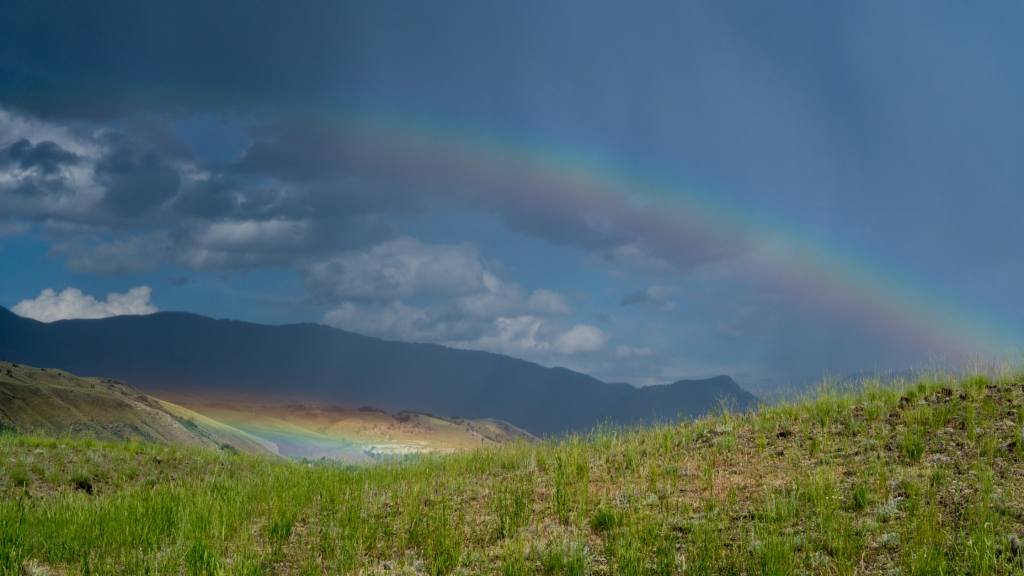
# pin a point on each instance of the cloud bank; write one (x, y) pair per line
(479, 311)
(72, 304)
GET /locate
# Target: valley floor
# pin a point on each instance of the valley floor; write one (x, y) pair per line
(922, 478)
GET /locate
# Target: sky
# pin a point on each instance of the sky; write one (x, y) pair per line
(641, 191)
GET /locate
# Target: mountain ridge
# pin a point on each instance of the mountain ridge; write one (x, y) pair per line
(181, 350)
(683, 398)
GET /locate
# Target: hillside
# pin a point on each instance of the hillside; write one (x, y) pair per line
(685, 398)
(174, 351)
(918, 478)
(54, 402)
(341, 432)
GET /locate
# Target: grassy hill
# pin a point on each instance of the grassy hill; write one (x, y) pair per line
(924, 477)
(56, 403)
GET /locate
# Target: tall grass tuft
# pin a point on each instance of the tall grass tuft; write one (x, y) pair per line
(571, 476)
(514, 561)
(200, 559)
(604, 519)
(911, 446)
(513, 502)
(442, 540)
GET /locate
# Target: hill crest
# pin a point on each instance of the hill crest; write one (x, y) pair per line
(683, 398)
(55, 402)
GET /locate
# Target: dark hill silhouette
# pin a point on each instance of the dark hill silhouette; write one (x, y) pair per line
(687, 398)
(180, 351)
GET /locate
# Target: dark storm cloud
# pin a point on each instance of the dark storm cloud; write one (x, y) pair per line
(138, 198)
(47, 156)
(296, 153)
(566, 227)
(39, 172)
(331, 171)
(136, 185)
(888, 125)
(212, 198)
(835, 113)
(321, 163)
(105, 59)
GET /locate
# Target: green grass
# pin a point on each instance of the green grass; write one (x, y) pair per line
(604, 520)
(919, 478)
(512, 500)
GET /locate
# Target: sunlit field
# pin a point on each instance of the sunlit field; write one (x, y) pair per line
(921, 477)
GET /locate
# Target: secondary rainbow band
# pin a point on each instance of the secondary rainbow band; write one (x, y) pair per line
(692, 228)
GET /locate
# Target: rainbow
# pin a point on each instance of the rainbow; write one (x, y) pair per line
(687, 228)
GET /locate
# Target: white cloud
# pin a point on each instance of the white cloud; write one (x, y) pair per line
(536, 339)
(581, 339)
(639, 258)
(495, 299)
(402, 268)
(547, 303)
(227, 235)
(68, 191)
(480, 310)
(448, 324)
(394, 321)
(15, 126)
(72, 303)
(516, 336)
(499, 318)
(501, 299)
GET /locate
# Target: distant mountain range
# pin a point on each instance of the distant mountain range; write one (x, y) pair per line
(685, 398)
(177, 351)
